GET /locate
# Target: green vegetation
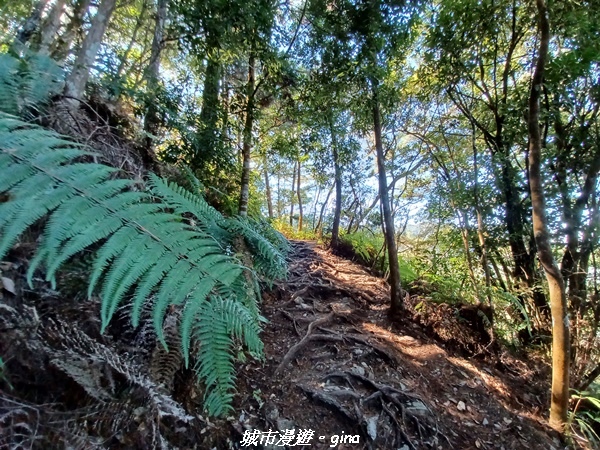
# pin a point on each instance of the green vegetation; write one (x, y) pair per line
(452, 146)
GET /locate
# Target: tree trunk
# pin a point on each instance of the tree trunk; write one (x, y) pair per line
(396, 305)
(337, 212)
(138, 25)
(279, 202)
(298, 191)
(86, 56)
(314, 213)
(323, 206)
(209, 115)
(151, 120)
(292, 200)
(61, 48)
(32, 23)
(558, 302)
(267, 185)
(480, 226)
(247, 144)
(51, 26)
(463, 220)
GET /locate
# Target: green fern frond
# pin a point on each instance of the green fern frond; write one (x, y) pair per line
(28, 81)
(9, 87)
(268, 260)
(144, 247)
(215, 362)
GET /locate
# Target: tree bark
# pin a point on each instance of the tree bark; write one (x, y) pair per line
(323, 206)
(292, 199)
(314, 213)
(267, 186)
(86, 56)
(558, 302)
(396, 305)
(480, 225)
(247, 144)
(299, 193)
(51, 26)
(209, 115)
(337, 212)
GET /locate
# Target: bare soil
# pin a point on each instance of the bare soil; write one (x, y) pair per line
(335, 364)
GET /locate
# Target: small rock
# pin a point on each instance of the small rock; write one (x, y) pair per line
(372, 427)
(357, 370)
(461, 406)
(485, 421)
(418, 407)
(284, 424)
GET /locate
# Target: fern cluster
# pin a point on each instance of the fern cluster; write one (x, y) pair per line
(164, 242)
(27, 82)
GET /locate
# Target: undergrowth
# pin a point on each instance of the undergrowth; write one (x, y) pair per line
(158, 246)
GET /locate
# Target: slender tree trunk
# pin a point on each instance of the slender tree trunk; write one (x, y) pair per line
(209, 115)
(32, 23)
(279, 202)
(314, 213)
(61, 47)
(396, 305)
(51, 26)
(138, 25)
(558, 302)
(151, 120)
(86, 56)
(267, 185)
(299, 192)
(480, 225)
(464, 232)
(292, 199)
(247, 144)
(337, 212)
(323, 206)
(499, 280)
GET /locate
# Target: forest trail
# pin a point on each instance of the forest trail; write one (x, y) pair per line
(336, 365)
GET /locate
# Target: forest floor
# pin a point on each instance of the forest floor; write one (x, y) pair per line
(337, 366)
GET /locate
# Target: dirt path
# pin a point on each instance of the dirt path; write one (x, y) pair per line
(337, 366)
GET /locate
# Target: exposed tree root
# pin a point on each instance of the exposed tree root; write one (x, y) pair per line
(378, 349)
(367, 398)
(296, 348)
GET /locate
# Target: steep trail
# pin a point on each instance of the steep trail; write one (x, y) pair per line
(337, 366)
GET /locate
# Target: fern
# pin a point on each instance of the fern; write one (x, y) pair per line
(27, 82)
(145, 243)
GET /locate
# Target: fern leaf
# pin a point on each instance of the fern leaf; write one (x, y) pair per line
(190, 315)
(119, 240)
(215, 361)
(9, 88)
(151, 278)
(145, 245)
